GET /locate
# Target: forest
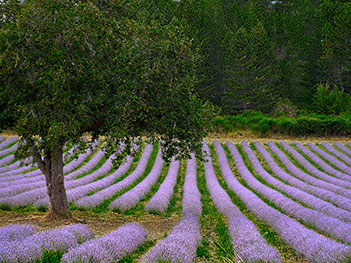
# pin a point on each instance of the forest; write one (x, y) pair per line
(280, 58)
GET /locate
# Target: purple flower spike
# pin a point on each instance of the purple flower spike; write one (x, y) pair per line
(109, 248)
(16, 232)
(160, 201)
(191, 196)
(132, 197)
(180, 245)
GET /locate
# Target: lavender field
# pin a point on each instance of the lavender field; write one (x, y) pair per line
(247, 202)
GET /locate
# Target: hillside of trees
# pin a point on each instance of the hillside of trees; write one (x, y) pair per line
(285, 56)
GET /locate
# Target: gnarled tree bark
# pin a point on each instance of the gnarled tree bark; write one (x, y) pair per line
(52, 168)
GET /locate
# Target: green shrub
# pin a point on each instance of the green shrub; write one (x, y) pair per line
(331, 101)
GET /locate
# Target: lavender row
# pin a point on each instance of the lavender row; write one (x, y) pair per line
(32, 248)
(308, 199)
(6, 160)
(80, 186)
(160, 201)
(313, 246)
(36, 178)
(9, 150)
(326, 195)
(37, 183)
(336, 153)
(349, 144)
(108, 248)
(133, 196)
(2, 138)
(308, 178)
(310, 168)
(16, 232)
(100, 196)
(83, 186)
(247, 242)
(191, 203)
(26, 194)
(328, 225)
(338, 164)
(180, 245)
(343, 148)
(6, 143)
(7, 174)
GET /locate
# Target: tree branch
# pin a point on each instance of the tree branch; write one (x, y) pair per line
(37, 158)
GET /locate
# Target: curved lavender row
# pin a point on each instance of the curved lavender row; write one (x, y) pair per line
(6, 160)
(326, 195)
(11, 188)
(9, 167)
(248, 244)
(191, 203)
(109, 248)
(160, 201)
(313, 246)
(87, 167)
(81, 183)
(16, 232)
(299, 195)
(9, 150)
(308, 178)
(83, 186)
(2, 138)
(310, 168)
(349, 144)
(81, 158)
(133, 196)
(32, 248)
(343, 148)
(6, 143)
(37, 176)
(336, 153)
(99, 197)
(180, 245)
(17, 171)
(332, 226)
(26, 194)
(338, 164)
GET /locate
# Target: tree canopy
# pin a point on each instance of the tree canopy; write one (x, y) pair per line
(72, 68)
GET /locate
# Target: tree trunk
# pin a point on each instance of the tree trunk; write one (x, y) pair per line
(59, 207)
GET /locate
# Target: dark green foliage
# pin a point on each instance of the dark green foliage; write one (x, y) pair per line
(331, 101)
(70, 68)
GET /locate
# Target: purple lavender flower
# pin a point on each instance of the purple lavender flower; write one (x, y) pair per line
(16, 232)
(180, 245)
(336, 153)
(160, 201)
(343, 148)
(313, 170)
(97, 198)
(324, 223)
(191, 195)
(313, 246)
(247, 242)
(338, 164)
(6, 143)
(308, 199)
(310, 179)
(109, 248)
(132, 197)
(31, 248)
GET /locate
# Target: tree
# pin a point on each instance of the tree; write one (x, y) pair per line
(336, 42)
(251, 69)
(72, 68)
